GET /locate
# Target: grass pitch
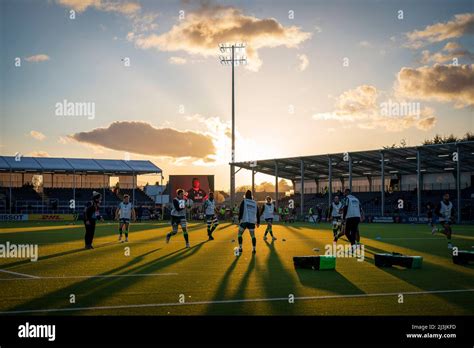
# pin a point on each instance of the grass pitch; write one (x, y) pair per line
(212, 281)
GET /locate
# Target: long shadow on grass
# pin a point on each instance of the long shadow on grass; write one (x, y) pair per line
(68, 235)
(429, 277)
(96, 246)
(98, 289)
(327, 280)
(240, 292)
(278, 282)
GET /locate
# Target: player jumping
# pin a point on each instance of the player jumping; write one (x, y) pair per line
(268, 211)
(445, 213)
(178, 217)
(211, 216)
(335, 215)
(124, 213)
(248, 217)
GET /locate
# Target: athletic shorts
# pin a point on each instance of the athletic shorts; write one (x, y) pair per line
(352, 225)
(336, 221)
(269, 220)
(444, 222)
(178, 220)
(211, 217)
(124, 220)
(248, 225)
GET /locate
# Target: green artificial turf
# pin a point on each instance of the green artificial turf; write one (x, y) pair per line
(211, 280)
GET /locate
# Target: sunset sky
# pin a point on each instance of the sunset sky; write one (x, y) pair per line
(318, 74)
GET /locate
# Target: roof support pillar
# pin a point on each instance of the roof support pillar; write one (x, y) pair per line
(276, 185)
(329, 181)
(133, 187)
(74, 188)
(104, 190)
(302, 188)
(458, 182)
(11, 183)
(253, 183)
(350, 172)
(382, 183)
(418, 182)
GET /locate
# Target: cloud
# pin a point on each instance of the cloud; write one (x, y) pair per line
(360, 106)
(143, 138)
(203, 30)
(444, 83)
(38, 154)
(37, 58)
(449, 52)
(177, 60)
(304, 62)
(365, 44)
(37, 135)
(123, 7)
(461, 24)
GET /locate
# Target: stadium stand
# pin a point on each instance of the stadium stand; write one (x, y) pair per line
(415, 175)
(64, 179)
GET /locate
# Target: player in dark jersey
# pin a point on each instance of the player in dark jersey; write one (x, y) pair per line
(91, 215)
(196, 194)
(429, 214)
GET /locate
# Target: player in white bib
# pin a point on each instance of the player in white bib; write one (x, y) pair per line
(445, 213)
(335, 215)
(211, 215)
(268, 212)
(178, 217)
(124, 214)
(248, 218)
(352, 215)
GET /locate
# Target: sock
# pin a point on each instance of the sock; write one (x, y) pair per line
(213, 228)
(209, 229)
(254, 242)
(271, 231)
(126, 234)
(240, 241)
(185, 233)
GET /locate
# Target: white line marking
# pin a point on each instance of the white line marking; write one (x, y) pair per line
(29, 276)
(92, 276)
(147, 305)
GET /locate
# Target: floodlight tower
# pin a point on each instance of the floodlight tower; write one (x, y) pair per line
(233, 60)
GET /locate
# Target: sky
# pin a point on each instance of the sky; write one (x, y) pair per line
(321, 77)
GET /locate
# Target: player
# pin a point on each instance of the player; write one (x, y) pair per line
(445, 213)
(335, 216)
(211, 216)
(91, 215)
(352, 215)
(235, 215)
(429, 214)
(124, 214)
(196, 193)
(311, 214)
(268, 211)
(178, 217)
(248, 217)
